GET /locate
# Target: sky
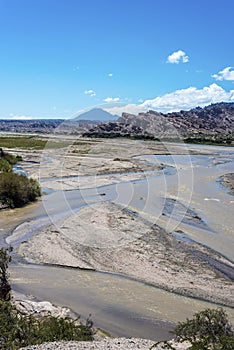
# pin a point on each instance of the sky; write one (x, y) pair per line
(59, 57)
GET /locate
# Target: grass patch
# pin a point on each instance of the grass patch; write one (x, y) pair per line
(30, 142)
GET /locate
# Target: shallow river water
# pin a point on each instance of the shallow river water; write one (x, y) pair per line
(120, 305)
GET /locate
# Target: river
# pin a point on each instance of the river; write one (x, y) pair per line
(122, 306)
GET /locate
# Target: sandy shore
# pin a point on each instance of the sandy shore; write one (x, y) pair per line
(107, 238)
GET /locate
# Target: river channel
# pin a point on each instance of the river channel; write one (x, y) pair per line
(122, 306)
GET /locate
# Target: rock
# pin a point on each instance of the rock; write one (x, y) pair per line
(39, 308)
(214, 119)
(107, 343)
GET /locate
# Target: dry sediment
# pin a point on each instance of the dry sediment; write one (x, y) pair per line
(107, 238)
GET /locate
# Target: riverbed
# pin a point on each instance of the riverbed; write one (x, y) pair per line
(181, 195)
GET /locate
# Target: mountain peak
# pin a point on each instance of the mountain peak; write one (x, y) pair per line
(97, 114)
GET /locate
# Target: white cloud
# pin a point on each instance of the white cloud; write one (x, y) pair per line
(178, 56)
(90, 92)
(111, 99)
(189, 98)
(180, 99)
(19, 117)
(225, 74)
(110, 74)
(130, 108)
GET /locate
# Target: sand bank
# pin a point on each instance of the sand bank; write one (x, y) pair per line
(107, 238)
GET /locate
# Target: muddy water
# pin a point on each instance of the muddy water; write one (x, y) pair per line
(122, 306)
(203, 211)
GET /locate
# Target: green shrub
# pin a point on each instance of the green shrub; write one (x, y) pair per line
(5, 287)
(7, 160)
(207, 327)
(208, 330)
(17, 190)
(18, 330)
(10, 158)
(5, 166)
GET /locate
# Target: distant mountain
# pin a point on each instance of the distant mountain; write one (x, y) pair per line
(97, 114)
(213, 120)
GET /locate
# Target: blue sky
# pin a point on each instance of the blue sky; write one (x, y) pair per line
(61, 56)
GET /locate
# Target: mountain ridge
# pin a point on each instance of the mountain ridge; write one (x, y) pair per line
(214, 119)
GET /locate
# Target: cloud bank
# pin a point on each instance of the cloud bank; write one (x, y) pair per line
(180, 99)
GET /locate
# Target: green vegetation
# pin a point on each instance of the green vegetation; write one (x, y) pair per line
(7, 160)
(112, 135)
(18, 330)
(208, 139)
(5, 287)
(208, 330)
(10, 158)
(25, 142)
(17, 190)
(5, 166)
(30, 142)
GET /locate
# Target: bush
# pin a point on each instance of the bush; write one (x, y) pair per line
(5, 166)
(11, 159)
(209, 324)
(17, 190)
(208, 330)
(7, 160)
(18, 330)
(5, 287)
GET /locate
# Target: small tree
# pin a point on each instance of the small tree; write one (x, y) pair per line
(5, 287)
(208, 330)
(208, 325)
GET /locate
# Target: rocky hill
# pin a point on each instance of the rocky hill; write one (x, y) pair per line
(47, 126)
(215, 119)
